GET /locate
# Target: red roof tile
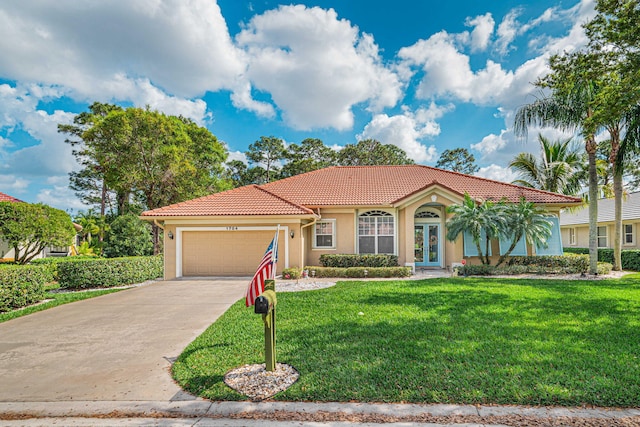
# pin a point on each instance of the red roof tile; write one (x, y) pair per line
(352, 186)
(387, 185)
(248, 200)
(7, 198)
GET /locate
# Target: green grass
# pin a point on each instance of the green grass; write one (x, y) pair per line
(56, 299)
(471, 340)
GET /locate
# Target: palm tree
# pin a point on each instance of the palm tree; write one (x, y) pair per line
(568, 108)
(475, 218)
(523, 219)
(559, 169)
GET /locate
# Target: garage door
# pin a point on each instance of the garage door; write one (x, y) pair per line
(225, 253)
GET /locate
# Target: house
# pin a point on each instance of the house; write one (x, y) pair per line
(574, 225)
(397, 210)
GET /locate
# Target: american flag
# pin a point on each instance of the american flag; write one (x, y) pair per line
(266, 270)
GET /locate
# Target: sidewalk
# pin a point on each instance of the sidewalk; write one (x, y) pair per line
(206, 413)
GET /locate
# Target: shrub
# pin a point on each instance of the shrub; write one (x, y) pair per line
(359, 272)
(476, 270)
(292, 273)
(21, 285)
(604, 268)
(561, 264)
(101, 272)
(51, 263)
(356, 260)
(630, 257)
(128, 236)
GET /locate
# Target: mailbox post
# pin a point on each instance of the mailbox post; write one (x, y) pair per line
(265, 304)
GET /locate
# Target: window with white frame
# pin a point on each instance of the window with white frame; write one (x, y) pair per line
(376, 233)
(628, 234)
(572, 236)
(602, 237)
(324, 234)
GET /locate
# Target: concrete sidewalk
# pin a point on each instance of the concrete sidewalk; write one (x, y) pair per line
(205, 413)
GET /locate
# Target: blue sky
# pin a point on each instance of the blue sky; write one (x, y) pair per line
(426, 76)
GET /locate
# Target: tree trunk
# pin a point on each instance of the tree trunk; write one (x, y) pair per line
(617, 234)
(590, 148)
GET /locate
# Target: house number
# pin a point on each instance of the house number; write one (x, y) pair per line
(232, 228)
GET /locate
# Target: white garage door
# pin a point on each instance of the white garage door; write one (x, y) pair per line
(225, 253)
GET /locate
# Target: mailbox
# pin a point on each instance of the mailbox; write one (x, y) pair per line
(261, 305)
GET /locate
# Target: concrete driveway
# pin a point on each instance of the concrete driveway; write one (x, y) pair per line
(114, 347)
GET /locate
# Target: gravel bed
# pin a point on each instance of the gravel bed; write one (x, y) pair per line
(255, 382)
(301, 285)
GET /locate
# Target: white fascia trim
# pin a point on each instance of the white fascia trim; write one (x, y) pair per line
(180, 230)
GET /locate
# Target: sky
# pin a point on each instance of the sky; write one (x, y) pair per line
(424, 75)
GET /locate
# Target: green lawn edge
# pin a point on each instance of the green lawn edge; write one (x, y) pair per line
(55, 299)
(450, 340)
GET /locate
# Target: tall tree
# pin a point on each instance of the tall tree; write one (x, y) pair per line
(29, 228)
(568, 107)
(458, 160)
(310, 155)
(158, 159)
(558, 168)
(370, 152)
(267, 152)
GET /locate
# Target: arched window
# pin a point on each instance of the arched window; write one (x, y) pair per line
(376, 233)
(427, 214)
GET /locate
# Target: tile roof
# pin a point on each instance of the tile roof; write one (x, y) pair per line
(630, 211)
(248, 200)
(388, 185)
(7, 198)
(351, 186)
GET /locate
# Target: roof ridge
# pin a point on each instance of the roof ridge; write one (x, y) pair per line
(283, 199)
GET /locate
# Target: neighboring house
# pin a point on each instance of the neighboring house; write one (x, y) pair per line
(574, 225)
(397, 210)
(7, 252)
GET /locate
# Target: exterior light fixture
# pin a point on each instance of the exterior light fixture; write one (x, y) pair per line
(170, 235)
(292, 233)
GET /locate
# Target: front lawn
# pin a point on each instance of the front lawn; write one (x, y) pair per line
(471, 340)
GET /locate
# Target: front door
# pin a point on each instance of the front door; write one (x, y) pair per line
(427, 245)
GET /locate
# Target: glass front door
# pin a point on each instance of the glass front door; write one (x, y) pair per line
(427, 245)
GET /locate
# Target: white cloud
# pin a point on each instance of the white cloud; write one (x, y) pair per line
(60, 197)
(237, 155)
(482, 31)
(315, 67)
(182, 46)
(405, 131)
(497, 173)
(507, 31)
(13, 185)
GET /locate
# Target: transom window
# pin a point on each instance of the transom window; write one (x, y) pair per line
(602, 237)
(628, 234)
(324, 234)
(427, 214)
(376, 233)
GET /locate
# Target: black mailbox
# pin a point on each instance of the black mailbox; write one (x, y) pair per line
(261, 305)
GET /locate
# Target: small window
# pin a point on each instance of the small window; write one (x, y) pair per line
(602, 237)
(324, 234)
(628, 234)
(572, 236)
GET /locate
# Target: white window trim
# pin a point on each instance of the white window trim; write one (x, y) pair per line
(394, 214)
(606, 236)
(573, 241)
(633, 235)
(333, 236)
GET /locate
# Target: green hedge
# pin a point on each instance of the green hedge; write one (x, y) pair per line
(562, 264)
(630, 257)
(22, 285)
(355, 260)
(108, 272)
(359, 272)
(52, 262)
